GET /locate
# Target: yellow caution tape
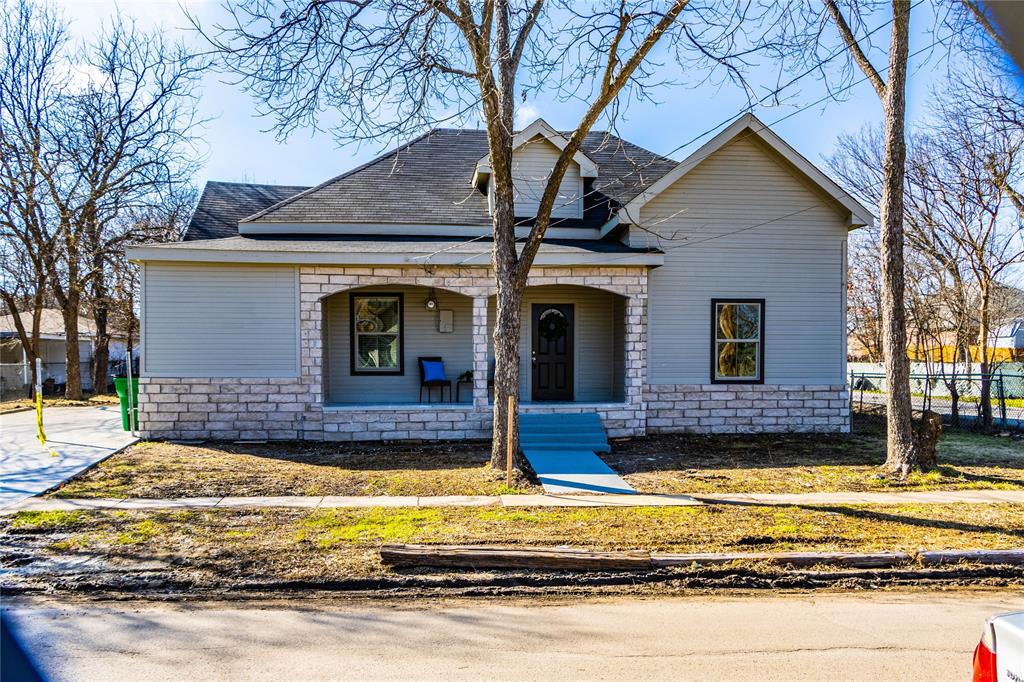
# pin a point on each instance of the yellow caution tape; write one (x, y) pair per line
(39, 418)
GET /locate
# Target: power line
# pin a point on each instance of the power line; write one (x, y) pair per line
(695, 161)
(747, 108)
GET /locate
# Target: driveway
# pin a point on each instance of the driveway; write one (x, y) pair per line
(818, 636)
(81, 436)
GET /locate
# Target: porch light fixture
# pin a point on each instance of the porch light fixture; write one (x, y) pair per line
(431, 302)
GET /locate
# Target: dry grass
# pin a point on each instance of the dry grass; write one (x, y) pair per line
(796, 463)
(56, 401)
(219, 546)
(677, 463)
(294, 468)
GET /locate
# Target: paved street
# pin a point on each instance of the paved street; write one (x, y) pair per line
(80, 436)
(880, 636)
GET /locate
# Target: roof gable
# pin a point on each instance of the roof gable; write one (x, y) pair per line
(749, 125)
(539, 128)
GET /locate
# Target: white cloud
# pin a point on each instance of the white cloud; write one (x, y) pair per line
(525, 115)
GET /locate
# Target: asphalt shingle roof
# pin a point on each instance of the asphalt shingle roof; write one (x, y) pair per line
(223, 204)
(425, 182)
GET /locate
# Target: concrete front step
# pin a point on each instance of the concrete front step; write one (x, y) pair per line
(561, 449)
(568, 444)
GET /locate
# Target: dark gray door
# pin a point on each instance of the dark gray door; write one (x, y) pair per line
(552, 351)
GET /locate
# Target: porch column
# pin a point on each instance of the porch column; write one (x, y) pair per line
(311, 288)
(480, 352)
(636, 355)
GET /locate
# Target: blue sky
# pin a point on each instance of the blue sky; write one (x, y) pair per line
(238, 149)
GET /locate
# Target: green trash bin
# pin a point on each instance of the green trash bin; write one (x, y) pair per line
(121, 386)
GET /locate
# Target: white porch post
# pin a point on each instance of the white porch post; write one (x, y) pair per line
(480, 365)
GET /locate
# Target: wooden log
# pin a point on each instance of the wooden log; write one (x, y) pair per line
(1013, 557)
(537, 558)
(866, 560)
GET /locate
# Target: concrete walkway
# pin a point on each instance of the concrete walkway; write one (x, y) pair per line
(81, 436)
(338, 502)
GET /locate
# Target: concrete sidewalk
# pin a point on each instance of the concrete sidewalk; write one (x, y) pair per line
(80, 436)
(337, 502)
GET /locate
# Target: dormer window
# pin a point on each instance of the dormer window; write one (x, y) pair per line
(535, 151)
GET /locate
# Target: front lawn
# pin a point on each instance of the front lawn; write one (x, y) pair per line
(156, 469)
(800, 463)
(678, 463)
(220, 547)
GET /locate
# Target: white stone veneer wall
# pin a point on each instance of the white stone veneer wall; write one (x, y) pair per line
(756, 408)
(232, 408)
(237, 408)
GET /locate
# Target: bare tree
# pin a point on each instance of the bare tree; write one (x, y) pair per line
(865, 295)
(811, 28)
(33, 39)
(962, 235)
(124, 140)
(961, 179)
(158, 223)
(385, 69)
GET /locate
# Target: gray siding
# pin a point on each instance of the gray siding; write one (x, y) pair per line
(219, 321)
(421, 338)
(531, 166)
(597, 337)
(744, 224)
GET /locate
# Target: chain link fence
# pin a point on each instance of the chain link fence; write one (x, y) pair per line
(16, 379)
(957, 398)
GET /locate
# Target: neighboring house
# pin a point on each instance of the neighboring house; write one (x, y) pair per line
(288, 312)
(1008, 343)
(15, 373)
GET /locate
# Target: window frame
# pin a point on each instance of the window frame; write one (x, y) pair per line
(759, 379)
(353, 335)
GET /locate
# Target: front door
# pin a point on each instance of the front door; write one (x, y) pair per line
(552, 351)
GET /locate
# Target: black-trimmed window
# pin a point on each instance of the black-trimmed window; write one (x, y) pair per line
(737, 340)
(377, 333)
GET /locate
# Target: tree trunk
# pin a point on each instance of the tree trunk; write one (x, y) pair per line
(954, 400)
(984, 306)
(901, 452)
(101, 348)
(508, 316)
(101, 363)
(73, 388)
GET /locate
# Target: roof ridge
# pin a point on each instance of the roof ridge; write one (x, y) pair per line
(331, 181)
(249, 184)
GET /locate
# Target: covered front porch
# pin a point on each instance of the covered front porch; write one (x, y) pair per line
(364, 330)
(381, 345)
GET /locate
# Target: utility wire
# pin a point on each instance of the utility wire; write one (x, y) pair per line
(748, 108)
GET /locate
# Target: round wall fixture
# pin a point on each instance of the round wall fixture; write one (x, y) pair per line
(431, 302)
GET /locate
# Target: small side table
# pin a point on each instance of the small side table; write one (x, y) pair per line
(458, 388)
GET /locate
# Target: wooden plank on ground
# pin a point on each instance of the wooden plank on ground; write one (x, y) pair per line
(469, 556)
(866, 560)
(1013, 557)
